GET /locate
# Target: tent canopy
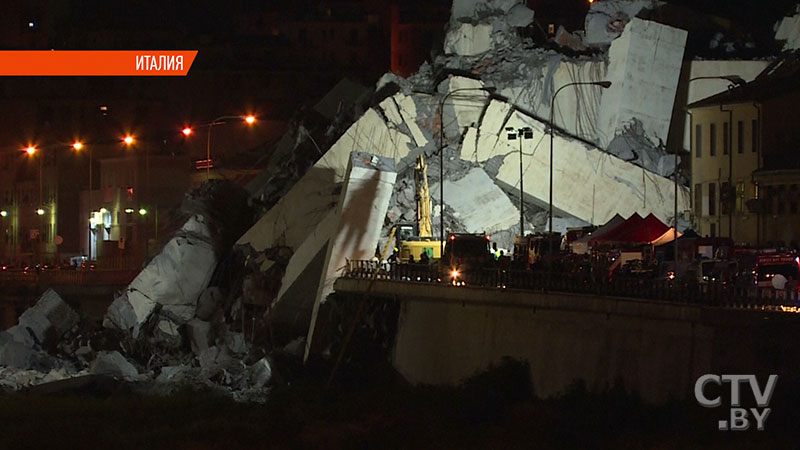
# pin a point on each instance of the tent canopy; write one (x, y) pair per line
(582, 245)
(635, 230)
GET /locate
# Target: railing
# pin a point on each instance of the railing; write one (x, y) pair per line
(70, 277)
(709, 294)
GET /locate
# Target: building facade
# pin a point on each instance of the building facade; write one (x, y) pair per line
(746, 160)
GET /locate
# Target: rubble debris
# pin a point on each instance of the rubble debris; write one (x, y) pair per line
(487, 209)
(260, 373)
(115, 365)
(48, 319)
(607, 19)
(199, 334)
(788, 31)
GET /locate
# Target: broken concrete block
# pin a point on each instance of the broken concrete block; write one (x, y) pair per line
(296, 347)
(21, 335)
(207, 303)
(172, 374)
(174, 279)
(167, 333)
(486, 209)
(49, 318)
(644, 67)
(788, 30)
(606, 20)
(128, 312)
(14, 354)
(199, 334)
(115, 365)
(236, 343)
(260, 373)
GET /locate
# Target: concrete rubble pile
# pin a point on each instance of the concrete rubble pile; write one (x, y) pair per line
(169, 327)
(609, 154)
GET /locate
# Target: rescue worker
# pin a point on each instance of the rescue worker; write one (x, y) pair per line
(424, 258)
(495, 252)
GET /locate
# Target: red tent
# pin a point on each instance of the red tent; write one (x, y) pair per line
(598, 234)
(636, 230)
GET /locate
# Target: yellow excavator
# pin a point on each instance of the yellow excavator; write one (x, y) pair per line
(414, 241)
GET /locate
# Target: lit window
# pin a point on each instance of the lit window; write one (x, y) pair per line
(551, 28)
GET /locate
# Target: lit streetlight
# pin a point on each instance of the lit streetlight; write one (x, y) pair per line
(521, 133)
(187, 131)
(128, 140)
(602, 84)
(489, 90)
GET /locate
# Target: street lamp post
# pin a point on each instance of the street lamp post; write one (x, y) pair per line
(249, 119)
(602, 84)
(489, 90)
(521, 133)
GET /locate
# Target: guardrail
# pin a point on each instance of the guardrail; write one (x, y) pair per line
(70, 277)
(709, 294)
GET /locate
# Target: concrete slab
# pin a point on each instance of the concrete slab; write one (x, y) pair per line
(359, 217)
(644, 67)
(485, 209)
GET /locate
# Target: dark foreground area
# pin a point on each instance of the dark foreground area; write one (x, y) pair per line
(495, 409)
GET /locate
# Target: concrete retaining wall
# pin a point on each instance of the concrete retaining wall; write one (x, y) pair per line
(656, 350)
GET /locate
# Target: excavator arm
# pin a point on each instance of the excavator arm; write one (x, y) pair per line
(423, 197)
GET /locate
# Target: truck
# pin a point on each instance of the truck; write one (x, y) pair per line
(465, 255)
(532, 248)
(771, 264)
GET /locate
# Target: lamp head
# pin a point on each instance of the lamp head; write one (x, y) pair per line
(604, 84)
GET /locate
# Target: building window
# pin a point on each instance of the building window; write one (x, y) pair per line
(712, 145)
(725, 143)
(793, 199)
(551, 29)
(755, 132)
(740, 196)
(698, 199)
(724, 198)
(740, 134)
(713, 230)
(698, 141)
(712, 199)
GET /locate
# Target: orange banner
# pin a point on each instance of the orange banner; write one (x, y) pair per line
(96, 62)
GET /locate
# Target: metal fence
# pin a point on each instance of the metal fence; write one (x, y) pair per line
(709, 294)
(69, 277)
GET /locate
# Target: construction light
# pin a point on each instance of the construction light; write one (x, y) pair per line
(128, 210)
(103, 210)
(77, 145)
(3, 213)
(128, 140)
(40, 211)
(142, 211)
(30, 150)
(251, 119)
(186, 131)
